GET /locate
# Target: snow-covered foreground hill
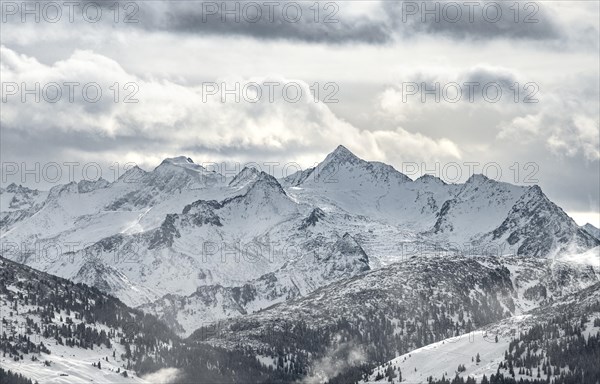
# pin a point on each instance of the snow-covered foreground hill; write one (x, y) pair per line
(56, 332)
(193, 246)
(484, 352)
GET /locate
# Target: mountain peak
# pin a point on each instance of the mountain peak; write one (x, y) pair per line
(257, 183)
(341, 149)
(85, 186)
(427, 178)
(263, 179)
(350, 248)
(14, 188)
(535, 192)
(477, 178)
(178, 160)
(592, 230)
(132, 174)
(246, 175)
(341, 155)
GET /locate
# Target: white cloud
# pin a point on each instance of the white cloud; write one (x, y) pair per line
(563, 132)
(178, 118)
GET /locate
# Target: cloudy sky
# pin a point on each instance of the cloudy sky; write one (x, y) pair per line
(341, 72)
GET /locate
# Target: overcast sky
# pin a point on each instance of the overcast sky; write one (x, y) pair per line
(366, 55)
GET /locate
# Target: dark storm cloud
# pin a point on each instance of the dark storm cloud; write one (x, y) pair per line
(476, 85)
(273, 20)
(341, 22)
(194, 19)
(483, 20)
(32, 144)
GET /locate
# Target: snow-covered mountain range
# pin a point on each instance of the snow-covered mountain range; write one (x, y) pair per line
(193, 246)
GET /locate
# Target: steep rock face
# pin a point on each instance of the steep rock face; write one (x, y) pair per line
(592, 230)
(108, 279)
(17, 203)
(315, 216)
(478, 207)
(165, 235)
(538, 282)
(344, 259)
(537, 227)
(17, 198)
(172, 176)
(85, 186)
(246, 176)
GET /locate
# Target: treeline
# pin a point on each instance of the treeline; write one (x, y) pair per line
(556, 351)
(8, 377)
(70, 313)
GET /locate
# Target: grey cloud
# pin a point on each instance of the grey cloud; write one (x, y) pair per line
(394, 19)
(358, 30)
(345, 22)
(486, 75)
(536, 22)
(329, 25)
(481, 86)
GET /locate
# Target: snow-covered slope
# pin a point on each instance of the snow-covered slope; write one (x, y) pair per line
(298, 277)
(539, 228)
(478, 207)
(449, 215)
(442, 359)
(481, 352)
(58, 332)
(17, 198)
(372, 189)
(18, 203)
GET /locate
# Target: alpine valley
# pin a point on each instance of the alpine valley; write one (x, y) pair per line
(348, 272)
